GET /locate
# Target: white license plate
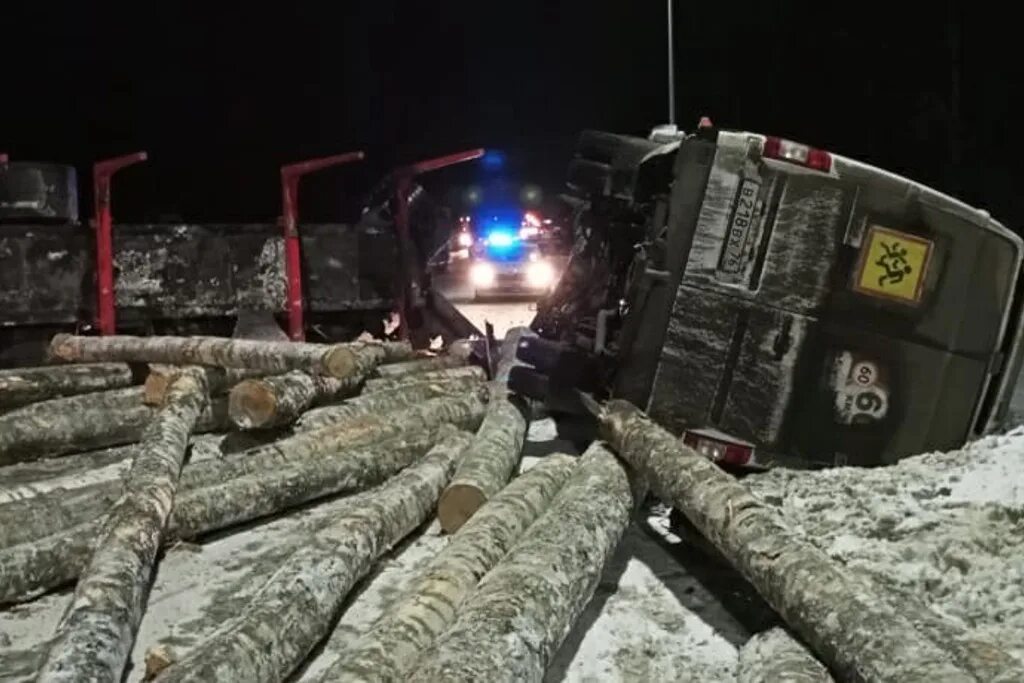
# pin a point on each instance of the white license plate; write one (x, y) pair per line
(735, 251)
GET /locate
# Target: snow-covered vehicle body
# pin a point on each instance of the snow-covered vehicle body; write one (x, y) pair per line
(801, 302)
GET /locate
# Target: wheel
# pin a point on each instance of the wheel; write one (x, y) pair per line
(35, 192)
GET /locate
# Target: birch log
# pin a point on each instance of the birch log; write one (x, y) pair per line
(840, 616)
(95, 636)
(33, 519)
(386, 383)
(774, 656)
(420, 366)
(27, 480)
(512, 624)
(218, 380)
(384, 401)
(335, 360)
(21, 386)
(388, 650)
(495, 451)
(279, 400)
(51, 561)
(295, 609)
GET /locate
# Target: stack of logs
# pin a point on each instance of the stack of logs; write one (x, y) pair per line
(404, 437)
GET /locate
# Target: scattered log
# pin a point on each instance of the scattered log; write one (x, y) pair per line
(94, 638)
(263, 493)
(279, 400)
(85, 422)
(421, 365)
(774, 656)
(335, 360)
(839, 615)
(48, 562)
(295, 609)
(387, 383)
(388, 650)
(218, 380)
(384, 401)
(33, 519)
(21, 386)
(27, 480)
(512, 624)
(495, 451)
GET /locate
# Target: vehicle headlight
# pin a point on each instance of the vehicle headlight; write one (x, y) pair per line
(465, 239)
(482, 274)
(540, 274)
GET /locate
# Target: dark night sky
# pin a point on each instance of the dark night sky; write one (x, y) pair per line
(222, 93)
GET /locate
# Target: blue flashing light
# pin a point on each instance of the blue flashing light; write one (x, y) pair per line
(500, 239)
(493, 160)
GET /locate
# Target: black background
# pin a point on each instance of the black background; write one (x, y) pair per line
(220, 94)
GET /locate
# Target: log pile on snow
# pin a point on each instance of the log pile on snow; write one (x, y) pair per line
(370, 441)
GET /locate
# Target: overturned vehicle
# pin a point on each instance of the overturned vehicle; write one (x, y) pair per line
(771, 302)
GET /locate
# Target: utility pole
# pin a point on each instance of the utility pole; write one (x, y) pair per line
(671, 71)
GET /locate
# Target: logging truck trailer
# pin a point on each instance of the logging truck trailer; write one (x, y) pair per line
(772, 302)
(325, 281)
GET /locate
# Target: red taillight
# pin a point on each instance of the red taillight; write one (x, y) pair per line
(795, 153)
(718, 450)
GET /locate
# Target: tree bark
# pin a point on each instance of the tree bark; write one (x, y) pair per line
(774, 656)
(95, 636)
(489, 462)
(512, 624)
(388, 383)
(294, 610)
(384, 402)
(21, 386)
(23, 482)
(420, 365)
(48, 562)
(85, 422)
(218, 380)
(280, 400)
(388, 650)
(334, 360)
(843, 618)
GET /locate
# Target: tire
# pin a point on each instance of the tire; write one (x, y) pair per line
(38, 193)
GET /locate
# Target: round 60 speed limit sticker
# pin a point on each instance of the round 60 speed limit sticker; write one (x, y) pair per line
(861, 390)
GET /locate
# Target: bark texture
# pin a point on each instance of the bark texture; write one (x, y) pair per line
(513, 623)
(85, 422)
(774, 656)
(335, 360)
(294, 610)
(218, 380)
(21, 386)
(489, 462)
(95, 636)
(420, 365)
(386, 383)
(384, 402)
(49, 561)
(263, 493)
(842, 617)
(279, 400)
(34, 519)
(22, 482)
(389, 649)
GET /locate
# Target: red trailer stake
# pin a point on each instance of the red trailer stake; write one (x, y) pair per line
(101, 174)
(290, 175)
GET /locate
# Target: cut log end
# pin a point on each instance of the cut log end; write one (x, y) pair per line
(155, 388)
(252, 404)
(458, 503)
(61, 347)
(341, 362)
(158, 658)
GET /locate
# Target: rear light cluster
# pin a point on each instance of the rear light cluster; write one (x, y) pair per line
(718, 450)
(795, 153)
